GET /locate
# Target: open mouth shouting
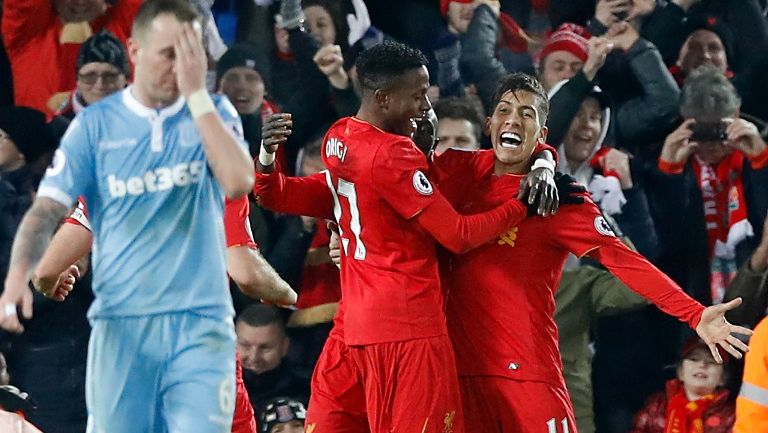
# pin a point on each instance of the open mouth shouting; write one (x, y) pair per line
(510, 140)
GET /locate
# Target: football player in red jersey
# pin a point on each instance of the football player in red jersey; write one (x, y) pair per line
(501, 304)
(511, 375)
(395, 338)
(55, 276)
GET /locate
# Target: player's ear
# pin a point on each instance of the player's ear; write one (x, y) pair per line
(133, 48)
(487, 126)
(543, 132)
(382, 98)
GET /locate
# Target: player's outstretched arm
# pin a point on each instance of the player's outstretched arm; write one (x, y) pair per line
(63, 262)
(229, 161)
(32, 238)
(644, 278)
(256, 278)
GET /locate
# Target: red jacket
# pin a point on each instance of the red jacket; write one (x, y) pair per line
(718, 418)
(40, 64)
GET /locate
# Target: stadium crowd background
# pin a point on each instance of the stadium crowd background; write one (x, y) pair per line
(624, 77)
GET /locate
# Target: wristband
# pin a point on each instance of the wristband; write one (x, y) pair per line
(200, 103)
(543, 163)
(265, 158)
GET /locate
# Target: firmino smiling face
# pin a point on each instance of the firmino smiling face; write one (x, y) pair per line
(516, 128)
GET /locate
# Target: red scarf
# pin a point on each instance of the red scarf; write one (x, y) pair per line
(684, 416)
(725, 216)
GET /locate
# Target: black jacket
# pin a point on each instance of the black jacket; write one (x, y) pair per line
(678, 211)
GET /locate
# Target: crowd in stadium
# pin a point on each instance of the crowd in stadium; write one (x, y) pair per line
(658, 108)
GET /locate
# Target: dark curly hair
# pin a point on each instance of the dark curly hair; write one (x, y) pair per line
(380, 65)
(520, 81)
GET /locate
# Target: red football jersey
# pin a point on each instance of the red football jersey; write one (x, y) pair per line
(500, 305)
(243, 420)
(237, 226)
(320, 280)
(389, 271)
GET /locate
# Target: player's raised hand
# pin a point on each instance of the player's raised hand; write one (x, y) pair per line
(64, 284)
(275, 131)
(539, 192)
(191, 60)
(715, 330)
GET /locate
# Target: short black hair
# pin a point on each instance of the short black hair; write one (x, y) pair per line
(257, 315)
(708, 95)
(460, 108)
(151, 9)
(519, 81)
(379, 65)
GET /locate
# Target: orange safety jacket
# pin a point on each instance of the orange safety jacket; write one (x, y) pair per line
(752, 403)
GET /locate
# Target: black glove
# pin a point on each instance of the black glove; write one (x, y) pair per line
(570, 191)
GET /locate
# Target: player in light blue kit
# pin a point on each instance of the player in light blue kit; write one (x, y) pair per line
(153, 163)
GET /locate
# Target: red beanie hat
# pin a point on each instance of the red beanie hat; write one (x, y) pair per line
(568, 37)
(444, 5)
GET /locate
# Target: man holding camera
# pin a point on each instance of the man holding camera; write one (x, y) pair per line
(715, 184)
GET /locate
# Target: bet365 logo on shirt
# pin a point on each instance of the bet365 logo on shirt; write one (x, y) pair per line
(159, 179)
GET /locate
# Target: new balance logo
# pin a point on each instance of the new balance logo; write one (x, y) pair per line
(160, 179)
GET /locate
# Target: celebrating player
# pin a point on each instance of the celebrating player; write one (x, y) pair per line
(394, 330)
(501, 295)
(153, 166)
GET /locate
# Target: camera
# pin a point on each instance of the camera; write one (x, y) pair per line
(621, 16)
(709, 131)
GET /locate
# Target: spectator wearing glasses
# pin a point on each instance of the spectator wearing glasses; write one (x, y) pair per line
(102, 69)
(43, 37)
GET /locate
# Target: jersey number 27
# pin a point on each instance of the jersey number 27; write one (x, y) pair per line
(347, 190)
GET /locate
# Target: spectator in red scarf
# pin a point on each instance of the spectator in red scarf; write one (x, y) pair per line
(713, 192)
(695, 402)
